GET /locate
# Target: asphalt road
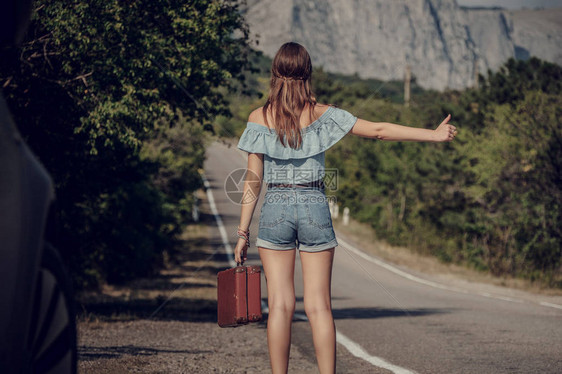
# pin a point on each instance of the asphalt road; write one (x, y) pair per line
(391, 319)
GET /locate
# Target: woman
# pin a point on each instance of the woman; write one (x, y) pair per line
(286, 140)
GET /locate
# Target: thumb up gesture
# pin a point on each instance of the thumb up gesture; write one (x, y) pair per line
(445, 132)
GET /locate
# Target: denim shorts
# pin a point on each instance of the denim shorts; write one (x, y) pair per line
(296, 217)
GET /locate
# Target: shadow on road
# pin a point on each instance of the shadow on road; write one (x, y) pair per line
(93, 353)
(366, 313)
(184, 291)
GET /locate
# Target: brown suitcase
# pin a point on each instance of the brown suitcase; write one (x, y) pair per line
(239, 296)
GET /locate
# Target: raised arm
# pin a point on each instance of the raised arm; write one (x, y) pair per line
(445, 132)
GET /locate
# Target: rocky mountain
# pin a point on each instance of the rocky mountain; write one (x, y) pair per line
(444, 44)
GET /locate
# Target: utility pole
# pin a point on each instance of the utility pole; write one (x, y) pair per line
(407, 77)
(475, 72)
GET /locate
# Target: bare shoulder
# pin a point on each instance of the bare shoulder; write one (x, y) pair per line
(257, 116)
(320, 109)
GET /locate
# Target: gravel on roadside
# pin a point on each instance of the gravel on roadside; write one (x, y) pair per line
(144, 346)
(168, 324)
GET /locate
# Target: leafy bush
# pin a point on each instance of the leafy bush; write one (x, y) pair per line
(112, 96)
(491, 199)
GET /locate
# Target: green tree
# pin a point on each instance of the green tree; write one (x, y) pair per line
(490, 199)
(518, 186)
(92, 87)
(510, 82)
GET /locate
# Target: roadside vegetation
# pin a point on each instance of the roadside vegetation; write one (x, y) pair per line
(117, 98)
(114, 97)
(491, 199)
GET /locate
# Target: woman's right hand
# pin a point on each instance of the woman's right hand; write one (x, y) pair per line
(445, 132)
(241, 251)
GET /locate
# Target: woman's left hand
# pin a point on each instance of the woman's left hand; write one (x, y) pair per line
(241, 251)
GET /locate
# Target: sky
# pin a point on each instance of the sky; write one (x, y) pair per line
(513, 4)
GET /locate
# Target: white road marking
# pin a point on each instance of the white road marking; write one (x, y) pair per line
(222, 230)
(551, 305)
(485, 294)
(395, 270)
(406, 275)
(358, 351)
(354, 348)
(411, 277)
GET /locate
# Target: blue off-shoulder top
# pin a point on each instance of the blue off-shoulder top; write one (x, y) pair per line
(283, 164)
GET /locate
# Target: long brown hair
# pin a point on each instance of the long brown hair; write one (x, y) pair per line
(290, 92)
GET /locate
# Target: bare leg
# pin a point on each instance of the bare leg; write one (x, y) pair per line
(279, 268)
(317, 276)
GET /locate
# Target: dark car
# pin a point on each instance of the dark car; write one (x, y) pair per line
(37, 320)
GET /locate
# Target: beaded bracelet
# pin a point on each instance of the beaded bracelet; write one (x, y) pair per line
(244, 234)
